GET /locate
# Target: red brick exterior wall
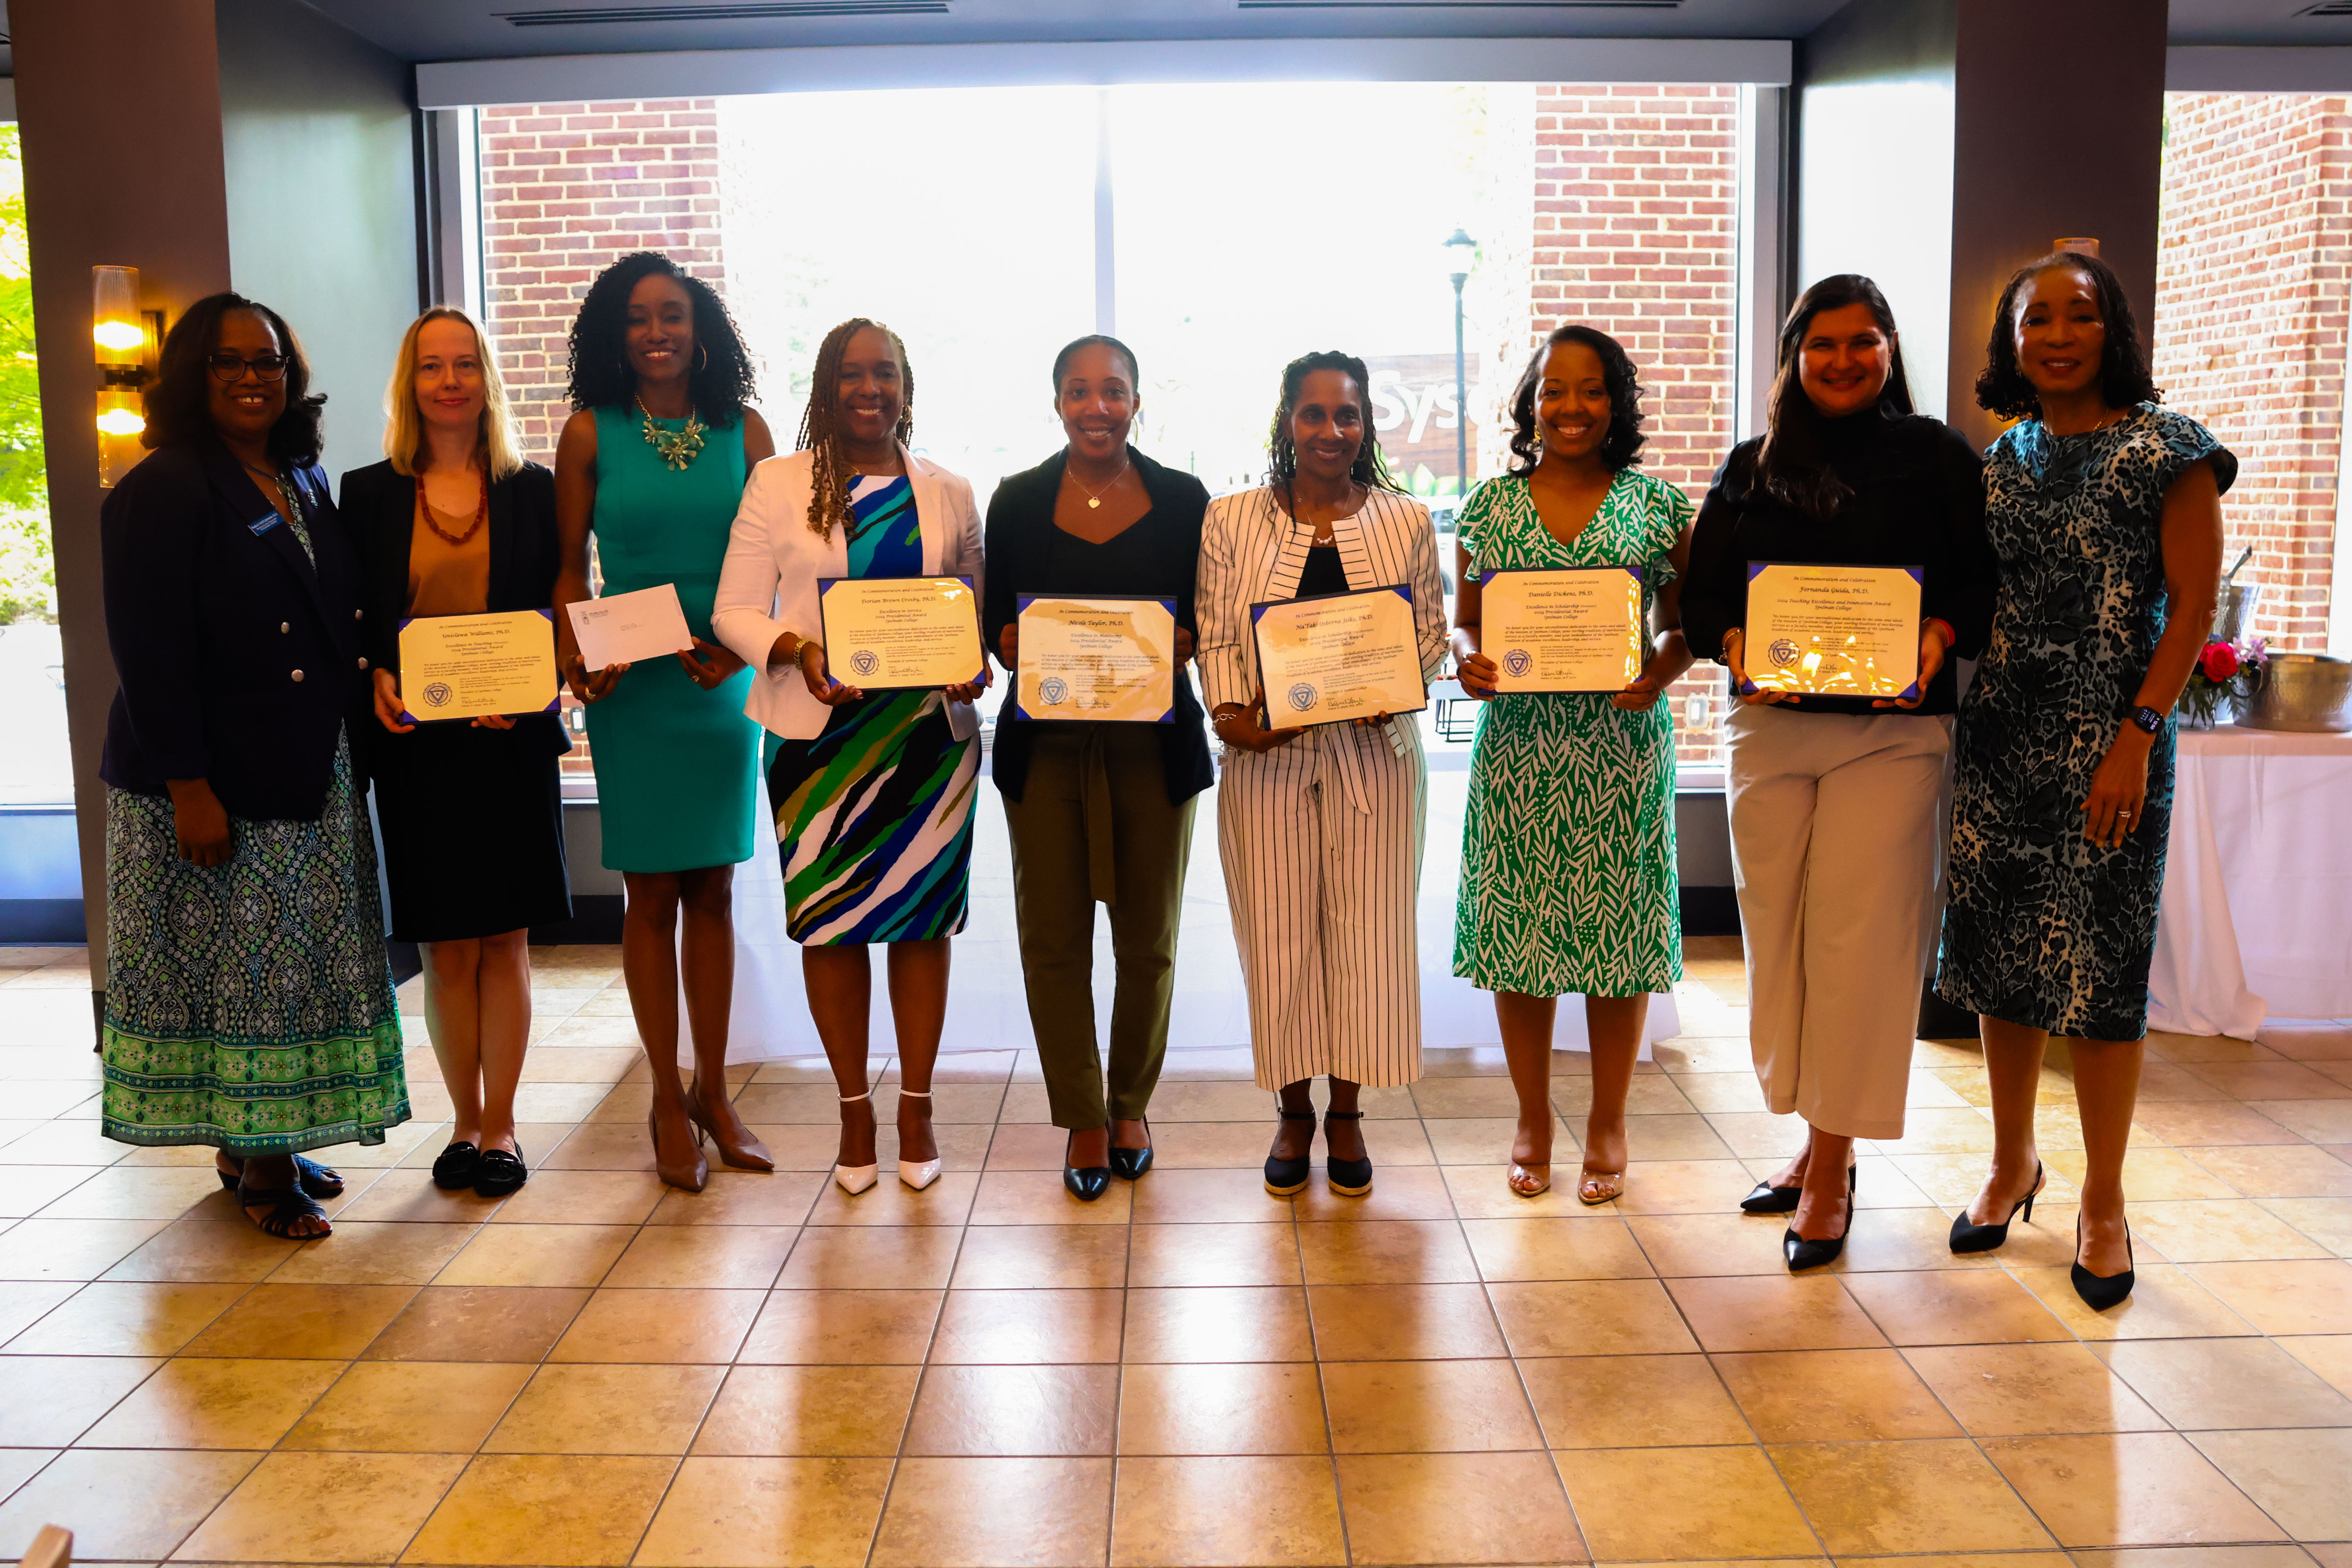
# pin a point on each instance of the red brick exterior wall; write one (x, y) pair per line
(2251, 314)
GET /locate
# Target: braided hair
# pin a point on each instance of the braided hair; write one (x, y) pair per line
(1370, 469)
(821, 423)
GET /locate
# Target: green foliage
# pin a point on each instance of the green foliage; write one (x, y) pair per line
(27, 570)
(28, 573)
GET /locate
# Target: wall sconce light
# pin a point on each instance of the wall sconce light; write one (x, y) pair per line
(125, 338)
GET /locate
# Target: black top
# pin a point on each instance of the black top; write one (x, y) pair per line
(239, 654)
(1323, 573)
(1156, 555)
(380, 505)
(1917, 500)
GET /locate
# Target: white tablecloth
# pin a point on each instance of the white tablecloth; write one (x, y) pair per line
(2256, 916)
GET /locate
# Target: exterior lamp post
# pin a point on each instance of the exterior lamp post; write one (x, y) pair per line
(1461, 251)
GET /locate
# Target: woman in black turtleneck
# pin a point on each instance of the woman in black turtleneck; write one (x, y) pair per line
(1834, 799)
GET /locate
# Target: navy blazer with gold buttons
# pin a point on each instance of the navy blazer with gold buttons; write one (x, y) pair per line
(241, 657)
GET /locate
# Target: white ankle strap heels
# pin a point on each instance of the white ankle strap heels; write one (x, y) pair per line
(855, 1179)
(917, 1174)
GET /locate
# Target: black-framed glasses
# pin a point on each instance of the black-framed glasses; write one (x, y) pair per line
(231, 368)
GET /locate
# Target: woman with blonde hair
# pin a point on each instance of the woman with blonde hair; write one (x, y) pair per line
(454, 523)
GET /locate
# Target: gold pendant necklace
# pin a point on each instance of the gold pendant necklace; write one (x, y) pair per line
(675, 447)
(1093, 498)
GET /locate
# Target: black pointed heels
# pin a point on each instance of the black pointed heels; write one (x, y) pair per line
(1286, 1178)
(1770, 1199)
(1086, 1183)
(1801, 1253)
(1970, 1237)
(2101, 1291)
(1127, 1165)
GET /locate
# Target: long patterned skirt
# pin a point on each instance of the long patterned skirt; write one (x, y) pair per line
(874, 822)
(249, 1005)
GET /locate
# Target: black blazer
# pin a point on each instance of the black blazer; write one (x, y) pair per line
(1020, 525)
(239, 660)
(380, 505)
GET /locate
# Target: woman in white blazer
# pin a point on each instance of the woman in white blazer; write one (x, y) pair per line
(1320, 829)
(872, 796)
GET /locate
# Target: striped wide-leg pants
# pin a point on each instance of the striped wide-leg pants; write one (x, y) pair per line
(1321, 841)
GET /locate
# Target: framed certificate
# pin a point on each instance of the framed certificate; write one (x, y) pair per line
(1106, 657)
(1827, 630)
(462, 667)
(1336, 657)
(1575, 628)
(900, 634)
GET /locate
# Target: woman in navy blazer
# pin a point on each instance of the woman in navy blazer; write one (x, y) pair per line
(248, 1003)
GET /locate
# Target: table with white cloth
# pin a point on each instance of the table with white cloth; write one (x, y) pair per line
(2255, 920)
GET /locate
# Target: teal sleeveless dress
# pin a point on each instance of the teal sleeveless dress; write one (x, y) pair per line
(675, 766)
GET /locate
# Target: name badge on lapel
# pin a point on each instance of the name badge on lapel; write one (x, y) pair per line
(261, 525)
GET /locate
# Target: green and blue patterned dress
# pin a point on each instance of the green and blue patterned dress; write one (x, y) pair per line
(874, 817)
(1568, 884)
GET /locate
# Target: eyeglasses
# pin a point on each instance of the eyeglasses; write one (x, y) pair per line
(232, 367)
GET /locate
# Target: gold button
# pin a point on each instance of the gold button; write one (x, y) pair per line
(298, 675)
(362, 664)
(285, 625)
(357, 614)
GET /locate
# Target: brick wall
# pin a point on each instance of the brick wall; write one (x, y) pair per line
(2251, 314)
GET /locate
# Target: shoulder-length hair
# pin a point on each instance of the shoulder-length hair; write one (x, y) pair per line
(1370, 469)
(2124, 375)
(820, 433)
(404, 426)
(719, 384)
(1621, 447)
(1791, 465)
(179, 408)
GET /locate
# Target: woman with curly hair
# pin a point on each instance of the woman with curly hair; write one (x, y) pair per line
(1836, 851)
(2105, 513)
(1568, 850)
(1320, 829)
(654, 463)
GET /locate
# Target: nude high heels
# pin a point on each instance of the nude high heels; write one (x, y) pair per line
(917, 1174)
(748, 1155)
(855, 1179)
(692, 1177)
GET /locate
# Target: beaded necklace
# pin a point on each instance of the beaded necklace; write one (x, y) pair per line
(675, 447)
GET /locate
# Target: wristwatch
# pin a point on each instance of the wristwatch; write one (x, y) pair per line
(2148, 718)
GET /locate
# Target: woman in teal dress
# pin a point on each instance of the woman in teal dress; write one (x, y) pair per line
(1568, 850)
(654, 462)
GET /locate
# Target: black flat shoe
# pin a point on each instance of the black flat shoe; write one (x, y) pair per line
(1970, 1237)
(501, 1173)
(1802, 1254)
(1285, 1177)
(455, 1168)
(1770, 1199)
(1348, 1178)
(1087, 1182)
(2101, 1291)
(1127, 1165)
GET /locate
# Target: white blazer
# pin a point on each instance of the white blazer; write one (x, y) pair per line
(768, 584)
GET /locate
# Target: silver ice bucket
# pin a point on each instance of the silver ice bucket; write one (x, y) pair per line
(2234, 610)
(2306, 691)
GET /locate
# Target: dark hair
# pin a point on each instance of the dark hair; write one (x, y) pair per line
(820, 433)
(719, 385)
(1621, 447)
(179, 407)
(1093, 340)
(1790, 465)
(2124, 377)
(1369, 468)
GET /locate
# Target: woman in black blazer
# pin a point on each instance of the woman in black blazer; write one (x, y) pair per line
(454, 523)
(1098, 812)
(248, 1003)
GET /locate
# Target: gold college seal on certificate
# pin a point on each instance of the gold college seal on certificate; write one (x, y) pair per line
(1105, 658)
(462, 667)
(1575, 628)
(1834, 631)
(1338, 656)
(898, 634)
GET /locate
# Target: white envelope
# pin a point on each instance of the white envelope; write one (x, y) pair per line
(622, 628)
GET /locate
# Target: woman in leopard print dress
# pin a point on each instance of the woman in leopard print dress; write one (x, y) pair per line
(2105, 511)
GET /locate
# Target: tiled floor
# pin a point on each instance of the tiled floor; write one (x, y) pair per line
(1189, 1372)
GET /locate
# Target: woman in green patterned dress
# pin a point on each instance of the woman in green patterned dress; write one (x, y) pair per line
(1568, 850)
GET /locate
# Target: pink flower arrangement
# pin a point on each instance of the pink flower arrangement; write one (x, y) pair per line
(2219, 661)
(2226, 672)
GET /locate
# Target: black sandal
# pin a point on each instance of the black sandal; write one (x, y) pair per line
(318, 1181)
(1348, 1178)
(1286, 1178)
(501, 1173)
(288, 1206)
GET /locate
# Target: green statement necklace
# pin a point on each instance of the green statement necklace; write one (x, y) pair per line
(676, 448)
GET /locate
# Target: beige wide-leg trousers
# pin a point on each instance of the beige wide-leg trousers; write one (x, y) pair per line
(1837, 853)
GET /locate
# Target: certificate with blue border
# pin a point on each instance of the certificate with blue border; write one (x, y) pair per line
(1103, 658)
(900, 634)
(1336, 656)
(1567, 628)
(1833, 629)
(464, 667)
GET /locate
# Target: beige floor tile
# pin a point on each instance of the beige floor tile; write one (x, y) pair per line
(1175, 1145)
(835, 1327)
(736, 1197)
(1832, 1397)
(2028, 1390)
(2166, 1302)
(725, 1256)
(1689, 1246)
(2204, 1123)
(127, 1318)
(1037, 1197)
(1428, 1406)
(1447, 1097)
(1029, 1327)
(1015, 1411)
(563, 1511)
(996, 1513)
(898, 1258)
(1641, 1503)
(2206, 1384)
(2275, 1556)
(1869, 1498)
(1681, 1186)
(947, 1201)
(1767, 1314)
(333, 1322)
(24, 1302)
(607, 1409)
(1487, 1140)
(601, 1146)
(215, 1250)
(1456, 1508)
(2329, 1355)
(202, 1404)
(537, 1255)
(1590, 1317)
(377, 1253)
(2274, 1170)
(773, 1411)
(410, 1407)
(1260, 1407)
(582, 1197)
(1174, 1513)
(72, 1249)
(1034, 1146)
(1946, 1307)
(2327, 1221)
(1522, 1249)
(1209, 1196)
(1631, 1401)
(669, 1325)
(767, 1512)
(1039, 1256)
(2131, 1489)
(2221, 1231)
(2313, 1298)
(480, 1322)
(1214, 1323)
(323, 1508)
(2296, 1478)
(129, 1191)
(1214, 1254)
(409, 1198)
(1402, 1323)
(125, 1506)
(1385, 1252)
